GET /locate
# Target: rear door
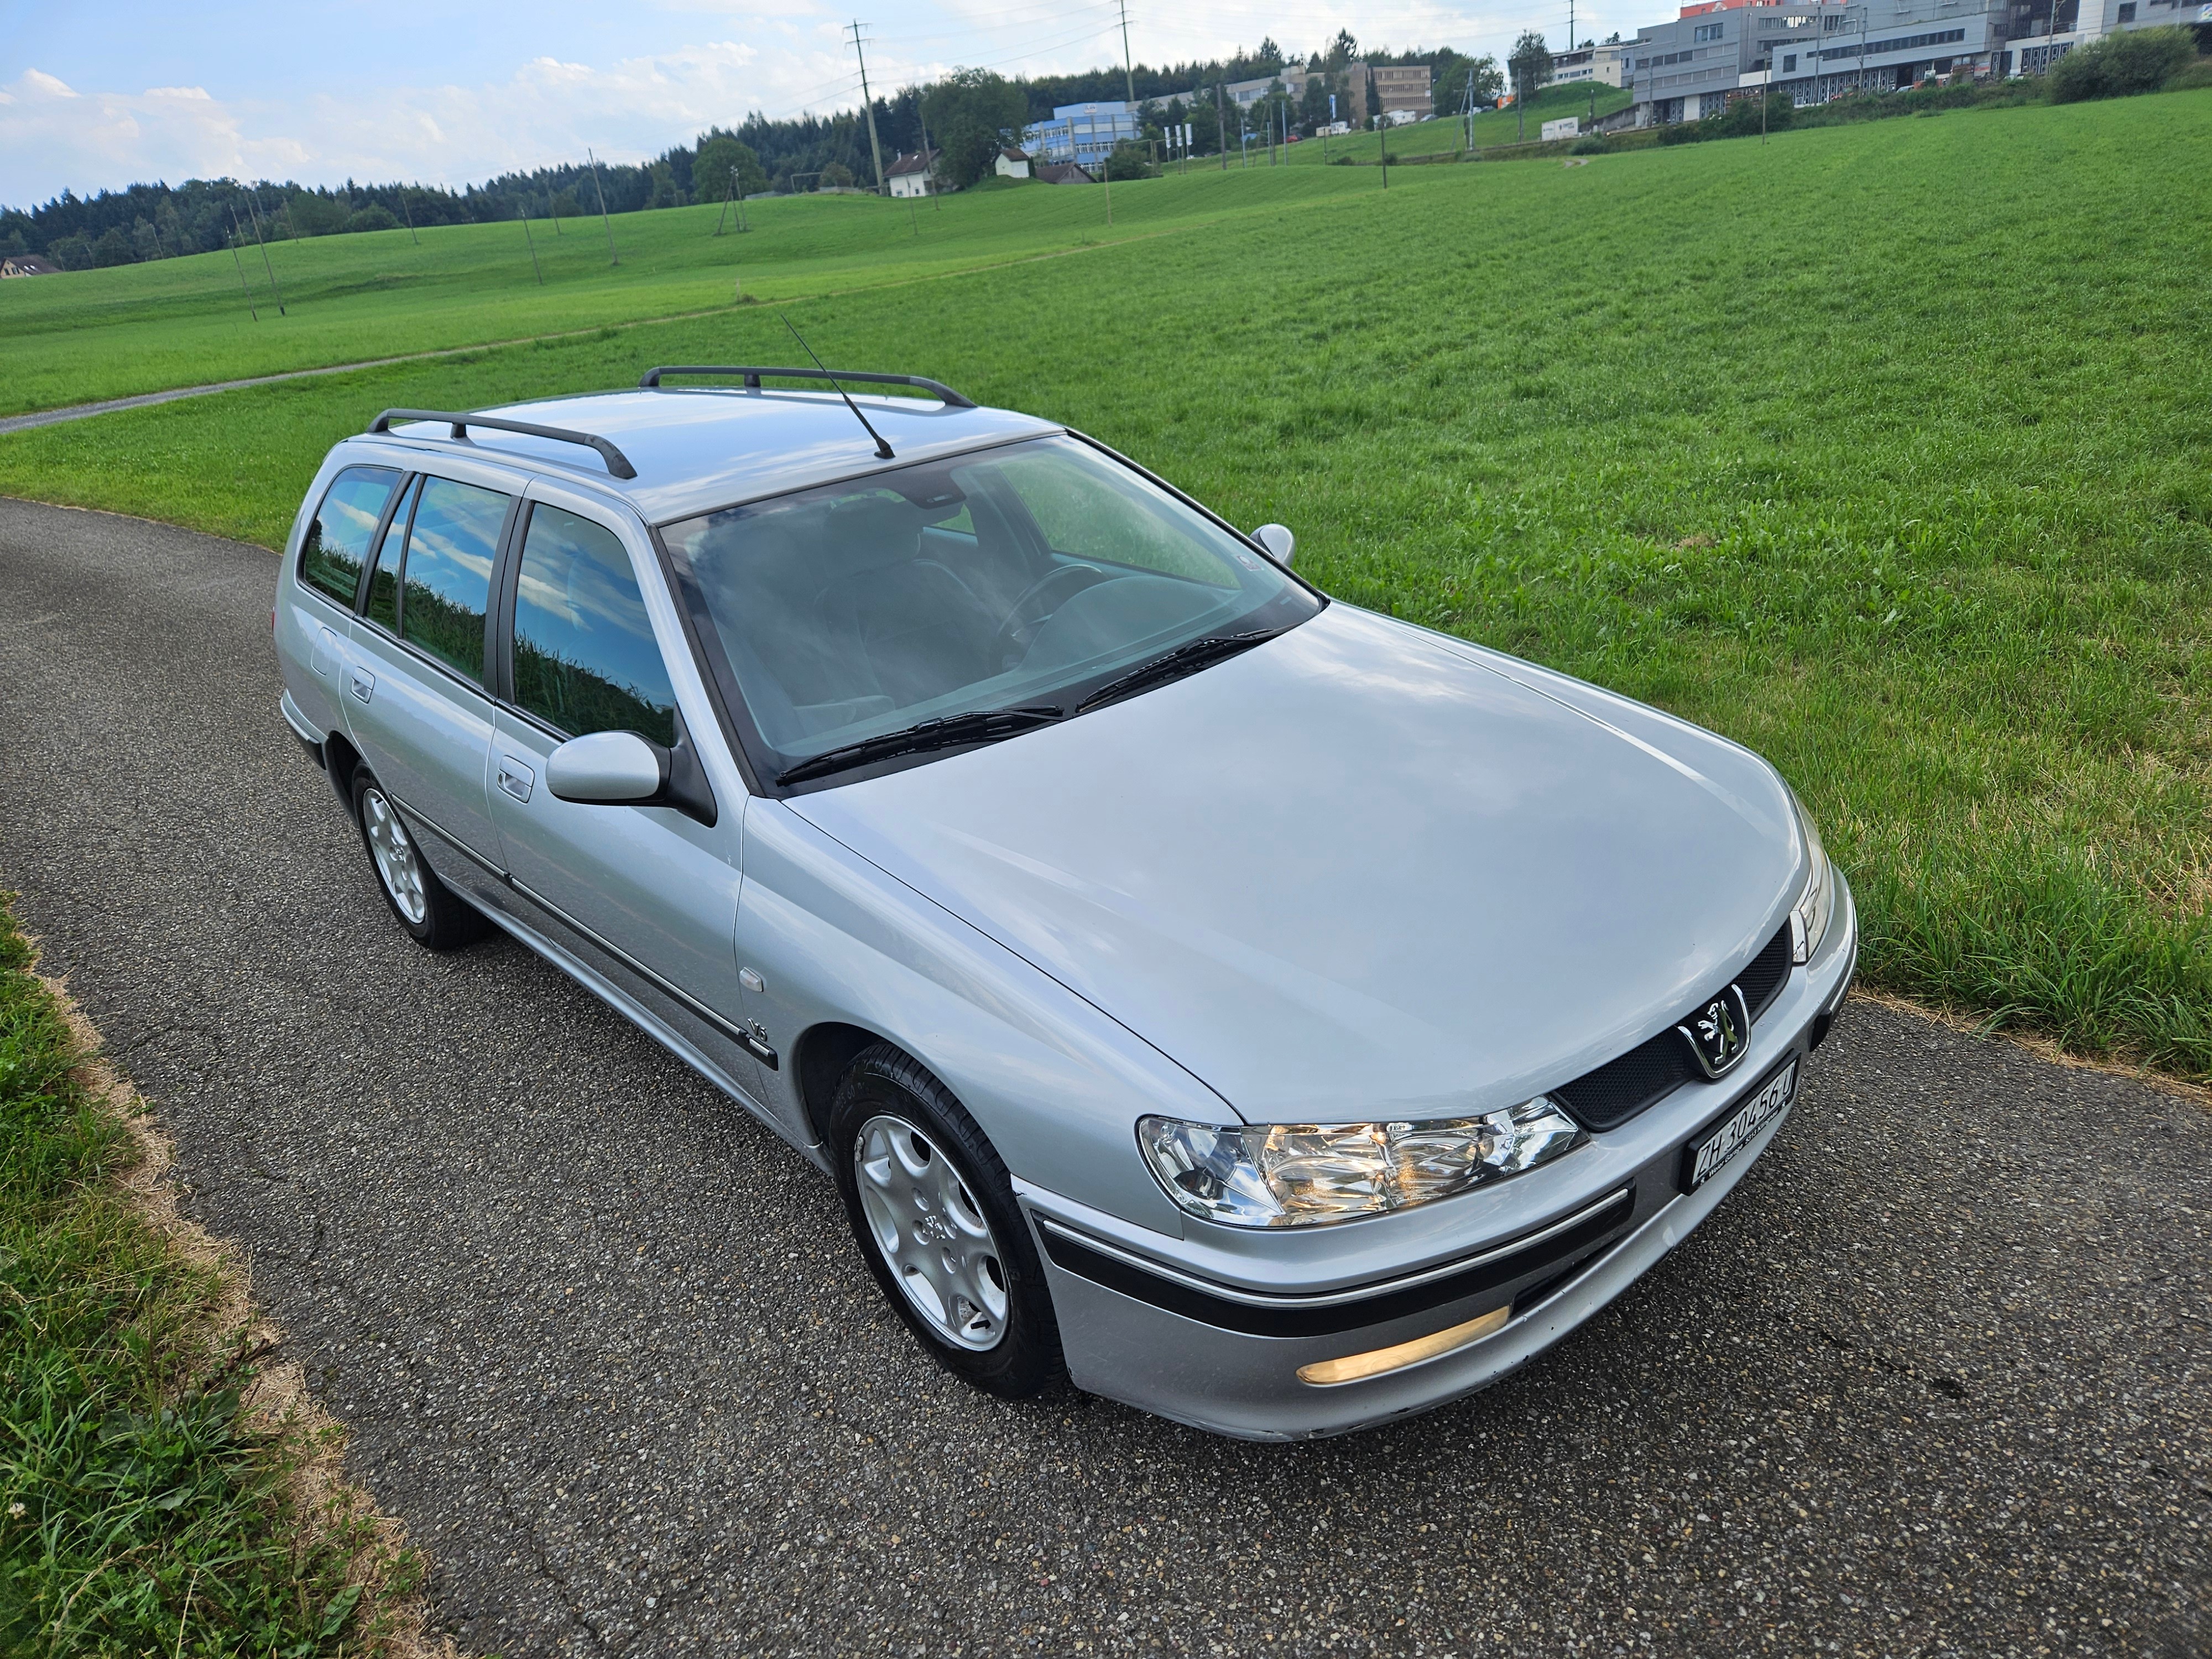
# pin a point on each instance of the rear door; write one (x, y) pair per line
(645, 896)
(415, 687)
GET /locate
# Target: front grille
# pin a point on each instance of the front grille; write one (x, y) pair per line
(1619, 1088)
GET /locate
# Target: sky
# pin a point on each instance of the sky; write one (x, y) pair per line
(101, 95)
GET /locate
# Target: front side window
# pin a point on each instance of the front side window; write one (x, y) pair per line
(1034, 577)
(585, 658)
(337, 544)
(446, 582)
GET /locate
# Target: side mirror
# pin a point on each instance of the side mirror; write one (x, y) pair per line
(1278, 542)
(607, 768)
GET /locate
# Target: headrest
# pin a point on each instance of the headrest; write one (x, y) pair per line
(868, 532)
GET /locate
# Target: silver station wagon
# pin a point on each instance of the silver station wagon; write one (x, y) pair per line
(1234, 1002)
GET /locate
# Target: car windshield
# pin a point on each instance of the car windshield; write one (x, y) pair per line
(1028, 577)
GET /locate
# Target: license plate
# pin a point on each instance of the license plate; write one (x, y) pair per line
(1709, 1152)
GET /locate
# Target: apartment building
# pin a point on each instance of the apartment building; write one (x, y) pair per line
(1606, 64)
(1404, 90)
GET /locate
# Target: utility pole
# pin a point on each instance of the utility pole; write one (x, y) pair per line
(1220, 127)
(237, 236)
(407, 208)
(928, 168)
(253, 213)
(868, 102)
(553, 210)
(533, 241)
(613, 257)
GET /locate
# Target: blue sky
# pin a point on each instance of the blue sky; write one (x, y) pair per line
(94, 95)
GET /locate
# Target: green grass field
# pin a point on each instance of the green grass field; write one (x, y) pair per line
(348, 298)
(1881, 448)
(1492, 128)
(142, 1510)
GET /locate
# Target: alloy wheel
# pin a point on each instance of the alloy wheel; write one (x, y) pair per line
(392, 850)
(931, 1232)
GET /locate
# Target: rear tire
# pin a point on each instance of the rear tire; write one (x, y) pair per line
(435, 916)
(933, 1210)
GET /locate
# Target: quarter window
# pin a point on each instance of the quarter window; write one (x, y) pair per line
(337, 544)
(446, 582)
(585, 658)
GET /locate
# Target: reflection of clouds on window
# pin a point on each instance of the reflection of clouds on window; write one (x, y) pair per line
(448, 571)
(584, 657)
(356, 519)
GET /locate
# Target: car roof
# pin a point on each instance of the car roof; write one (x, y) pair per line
(699, 448)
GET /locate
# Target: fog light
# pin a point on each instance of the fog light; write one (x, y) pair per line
(1353, 1368)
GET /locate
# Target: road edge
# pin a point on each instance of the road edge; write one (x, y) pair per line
(277, 1401)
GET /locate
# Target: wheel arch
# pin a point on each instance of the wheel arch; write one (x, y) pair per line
(820, 1060)
(341, 760)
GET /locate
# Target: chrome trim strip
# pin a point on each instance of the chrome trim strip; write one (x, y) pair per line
(1333, 1298)
(444, 835)
(736, 1034)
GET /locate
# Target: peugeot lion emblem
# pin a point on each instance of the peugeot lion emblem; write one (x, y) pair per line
(1719, 1032)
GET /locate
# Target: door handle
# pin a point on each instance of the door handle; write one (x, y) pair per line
(515, 778)
(362, 683)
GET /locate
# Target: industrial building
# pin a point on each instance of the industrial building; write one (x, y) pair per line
(1083, 133)
(1816, 50)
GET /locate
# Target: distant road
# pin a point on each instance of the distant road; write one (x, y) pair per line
(82, 411)
(1936, 1379)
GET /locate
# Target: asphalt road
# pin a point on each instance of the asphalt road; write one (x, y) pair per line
(1937, 1379)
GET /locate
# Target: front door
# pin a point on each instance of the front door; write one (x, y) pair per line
(644, 897)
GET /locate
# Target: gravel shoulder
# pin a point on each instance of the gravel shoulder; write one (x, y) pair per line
(1937, 1379)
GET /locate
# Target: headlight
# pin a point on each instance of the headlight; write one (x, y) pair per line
(1818, 902)
(1295, 1174)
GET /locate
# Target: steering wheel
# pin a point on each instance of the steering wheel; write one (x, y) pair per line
(1038, 601)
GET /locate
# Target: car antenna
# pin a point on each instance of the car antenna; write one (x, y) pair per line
(883, 449)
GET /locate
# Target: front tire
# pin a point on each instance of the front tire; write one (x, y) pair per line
(434, 916)
(933, 1210)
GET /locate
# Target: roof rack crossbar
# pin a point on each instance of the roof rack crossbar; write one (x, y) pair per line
(617, 463)
(944, 394)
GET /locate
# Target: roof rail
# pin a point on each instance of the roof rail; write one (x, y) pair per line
(617, 463)
(938, 389)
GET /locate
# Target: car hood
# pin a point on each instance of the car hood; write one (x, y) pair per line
(1363, 871)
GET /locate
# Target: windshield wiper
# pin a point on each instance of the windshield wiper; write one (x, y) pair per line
(1186, 659)
(947, 731)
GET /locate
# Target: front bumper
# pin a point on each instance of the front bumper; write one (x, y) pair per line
(1139, 1325)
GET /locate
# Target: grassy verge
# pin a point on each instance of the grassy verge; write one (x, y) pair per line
(144, 1507)
(1877, 447)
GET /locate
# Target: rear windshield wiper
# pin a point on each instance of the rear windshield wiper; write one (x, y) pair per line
(947, 731)
(1186, 659)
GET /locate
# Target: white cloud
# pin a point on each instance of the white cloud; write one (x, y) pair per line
(515, 113)
(53, 137)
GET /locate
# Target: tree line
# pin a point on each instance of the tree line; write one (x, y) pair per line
(964, 117)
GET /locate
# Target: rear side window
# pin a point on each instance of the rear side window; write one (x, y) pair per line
(383, 580)
(445, 583)
(336, 544)
(584, 658)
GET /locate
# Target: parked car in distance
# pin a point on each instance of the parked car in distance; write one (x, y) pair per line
(1259, 1010)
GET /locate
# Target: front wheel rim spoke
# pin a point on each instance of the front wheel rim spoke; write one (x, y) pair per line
(928, 1229)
